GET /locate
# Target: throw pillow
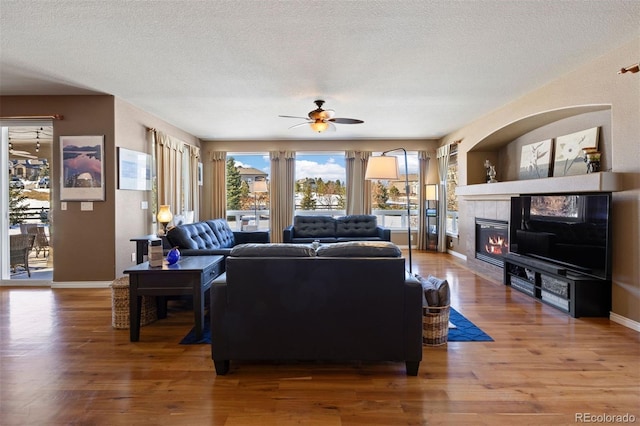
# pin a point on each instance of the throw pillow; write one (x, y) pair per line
(360, 249)
(272, 250)
(436, 291)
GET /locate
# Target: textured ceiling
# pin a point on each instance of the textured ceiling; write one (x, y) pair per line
(227, 69)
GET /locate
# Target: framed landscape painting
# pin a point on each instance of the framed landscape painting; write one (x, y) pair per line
(569, 158)
(535, 160)
(82, 177)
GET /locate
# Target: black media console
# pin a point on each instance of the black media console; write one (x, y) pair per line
(571, 292)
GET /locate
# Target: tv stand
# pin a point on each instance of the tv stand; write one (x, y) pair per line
(568, 291)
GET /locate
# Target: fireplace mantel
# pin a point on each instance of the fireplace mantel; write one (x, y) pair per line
(592, 182)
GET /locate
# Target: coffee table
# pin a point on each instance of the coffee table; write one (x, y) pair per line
(191, 275)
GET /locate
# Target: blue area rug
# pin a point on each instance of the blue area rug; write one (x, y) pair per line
(465, 331)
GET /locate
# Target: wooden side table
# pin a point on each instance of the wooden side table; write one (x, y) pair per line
(192, 275)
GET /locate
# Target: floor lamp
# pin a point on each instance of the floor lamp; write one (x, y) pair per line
(386, 168)
(257, 186)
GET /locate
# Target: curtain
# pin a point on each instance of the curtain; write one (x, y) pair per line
(168, 153)
(358, 189)
(176, 168)
(193, 203)
(214, 197)
(423, 171)
(282, 192)
(443, 165)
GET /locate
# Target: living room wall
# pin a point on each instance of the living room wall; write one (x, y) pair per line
(595, 83)
(92, 247)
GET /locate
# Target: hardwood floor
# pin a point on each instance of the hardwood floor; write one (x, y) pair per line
(62, 363)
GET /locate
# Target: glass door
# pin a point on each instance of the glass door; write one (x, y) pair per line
(27, 245)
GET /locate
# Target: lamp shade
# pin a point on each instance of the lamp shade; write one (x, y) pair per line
(164, 214)
(432, 192)
(259, 186)
(319, 126)
(382, 168)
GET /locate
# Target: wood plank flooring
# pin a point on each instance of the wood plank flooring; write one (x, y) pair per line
(62, 363)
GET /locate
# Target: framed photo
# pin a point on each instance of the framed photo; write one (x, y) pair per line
(535, 160)
(200, 174)
(569, 158)
(134, 170)
(82, 177)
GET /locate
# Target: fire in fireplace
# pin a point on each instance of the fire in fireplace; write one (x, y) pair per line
(492, 240)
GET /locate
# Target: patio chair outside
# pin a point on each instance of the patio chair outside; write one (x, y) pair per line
(19, 248)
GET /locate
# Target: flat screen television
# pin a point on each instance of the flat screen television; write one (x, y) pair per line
(572, 231)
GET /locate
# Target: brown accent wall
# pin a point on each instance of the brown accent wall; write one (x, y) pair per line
(83, 241)
(93, 246)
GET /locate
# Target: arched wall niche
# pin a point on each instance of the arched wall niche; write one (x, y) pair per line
(491, 146)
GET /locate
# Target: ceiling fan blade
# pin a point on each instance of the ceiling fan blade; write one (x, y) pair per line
(299, 125)
(326, 114)
(331, 128)
(345, 121)
(293, 116)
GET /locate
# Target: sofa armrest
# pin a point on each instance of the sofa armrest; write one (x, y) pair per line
(218, 318)
(413, 318)
(243, 237)
(287, 234)
(384, 233)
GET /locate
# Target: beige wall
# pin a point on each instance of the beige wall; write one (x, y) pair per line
(131, 220)
(596, 83)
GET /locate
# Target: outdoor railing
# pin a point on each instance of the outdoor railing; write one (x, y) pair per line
(392, 219)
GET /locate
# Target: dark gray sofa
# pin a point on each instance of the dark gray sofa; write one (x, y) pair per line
(326, 229)
(351, 301)
(211, 237)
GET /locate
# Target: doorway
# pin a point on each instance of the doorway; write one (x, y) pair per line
(27, 244)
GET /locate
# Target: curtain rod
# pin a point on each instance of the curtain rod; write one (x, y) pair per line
(34, 117)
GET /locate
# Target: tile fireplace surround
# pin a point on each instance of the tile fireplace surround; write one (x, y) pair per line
(493, 201)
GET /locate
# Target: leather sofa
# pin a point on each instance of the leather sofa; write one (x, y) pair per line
(211, 237)
(326, 229)
(342, 302)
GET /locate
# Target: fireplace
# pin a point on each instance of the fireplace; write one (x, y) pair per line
(492, 240)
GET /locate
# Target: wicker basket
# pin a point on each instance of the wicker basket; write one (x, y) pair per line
(120, 305)
(435, 325)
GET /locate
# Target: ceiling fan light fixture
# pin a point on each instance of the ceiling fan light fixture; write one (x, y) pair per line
(319, 126)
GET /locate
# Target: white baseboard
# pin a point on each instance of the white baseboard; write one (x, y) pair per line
(60, 284)
(629, 323)
(81, 284)
(456, 254)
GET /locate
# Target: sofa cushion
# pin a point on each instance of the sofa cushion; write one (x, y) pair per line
(359, 225)
(273, 250)
(436, 291)
(197, 235)
(223, 233)
(359, 249)
(314, 226)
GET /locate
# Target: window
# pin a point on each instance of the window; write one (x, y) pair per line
(248, 191)
(389, 198)
(320, 187)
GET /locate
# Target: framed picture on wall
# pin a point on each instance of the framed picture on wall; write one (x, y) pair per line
(535, 160)
(569, 157)
(82, 177)
(134, 170)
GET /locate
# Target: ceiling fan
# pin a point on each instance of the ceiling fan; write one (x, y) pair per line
(321, 120)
